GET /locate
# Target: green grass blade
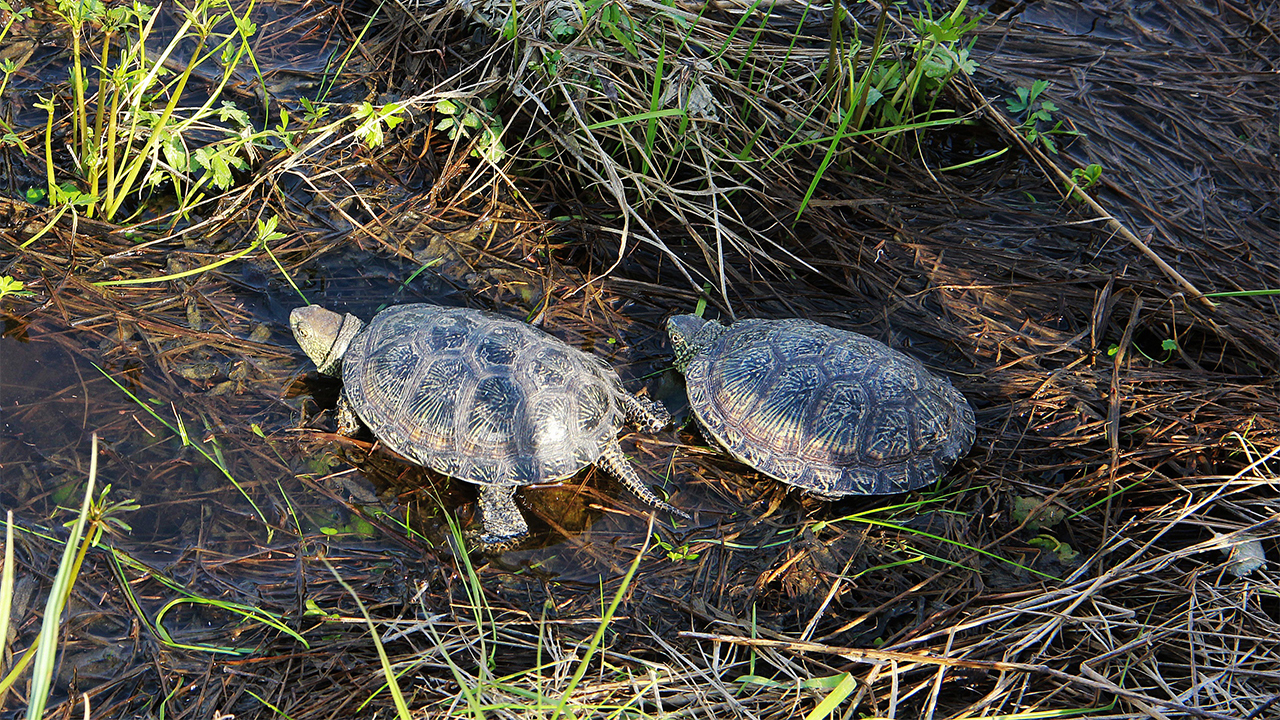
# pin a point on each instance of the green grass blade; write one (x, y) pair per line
(6, 595)
(829, 704)
(18, 668)
(655, 102)
(651, 115)
(176, 276)
(47, 654)
(120, 559)
(6, 581)
(1242, 293)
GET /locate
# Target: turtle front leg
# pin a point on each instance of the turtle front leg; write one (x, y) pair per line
(504, 525)
(647, 415)
(615, 462)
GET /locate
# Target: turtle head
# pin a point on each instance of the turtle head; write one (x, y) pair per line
(690, 335)
(324, 335)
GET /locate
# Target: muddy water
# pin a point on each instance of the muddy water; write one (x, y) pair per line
(44, 407)
(220, 394)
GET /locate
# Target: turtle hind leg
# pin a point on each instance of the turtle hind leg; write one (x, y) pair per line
(646, 414)
(348, 422)
(615, 462)
(504, 525)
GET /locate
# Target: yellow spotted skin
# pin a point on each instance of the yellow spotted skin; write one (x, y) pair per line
(826, 410)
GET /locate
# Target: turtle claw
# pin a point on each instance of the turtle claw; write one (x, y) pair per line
(615, 462)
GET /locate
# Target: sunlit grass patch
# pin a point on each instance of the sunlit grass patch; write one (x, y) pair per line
(153, 131)
(712, 120)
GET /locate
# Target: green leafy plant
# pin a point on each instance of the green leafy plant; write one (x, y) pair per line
(938, 54)
(135, 122)
(1027, 97)
(462, 121)
(9, 66)
(890, 89)
(674, 553)
(371, 119)
(9, 286)
(139, 135)
(1038, 112)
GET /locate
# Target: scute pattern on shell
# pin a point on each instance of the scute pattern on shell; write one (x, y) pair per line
(480, 397)
(827, 410)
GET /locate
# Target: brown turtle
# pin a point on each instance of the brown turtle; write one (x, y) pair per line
(826, 410)
(479, 397)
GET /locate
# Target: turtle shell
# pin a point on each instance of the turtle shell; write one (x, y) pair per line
(827, 410)
(480, 397)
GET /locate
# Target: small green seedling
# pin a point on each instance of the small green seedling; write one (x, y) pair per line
(463, 121)
(1168, 345)
(1084, 178)
(675, 554)
(1038, 111)
(372, 119)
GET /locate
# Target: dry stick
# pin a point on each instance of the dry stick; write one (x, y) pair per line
(937, 680)
(1094, 680)
(1124, 232)
(1112, 223)
(1113, 412)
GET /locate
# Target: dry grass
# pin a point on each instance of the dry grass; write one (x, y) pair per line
(963, 601)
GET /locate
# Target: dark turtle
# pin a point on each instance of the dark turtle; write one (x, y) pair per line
(826, 410)
(478, 397)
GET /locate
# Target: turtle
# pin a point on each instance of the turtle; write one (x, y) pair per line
(479, 397)
(829, 411)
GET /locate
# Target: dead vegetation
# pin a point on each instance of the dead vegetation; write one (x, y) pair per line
(1075, 562)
